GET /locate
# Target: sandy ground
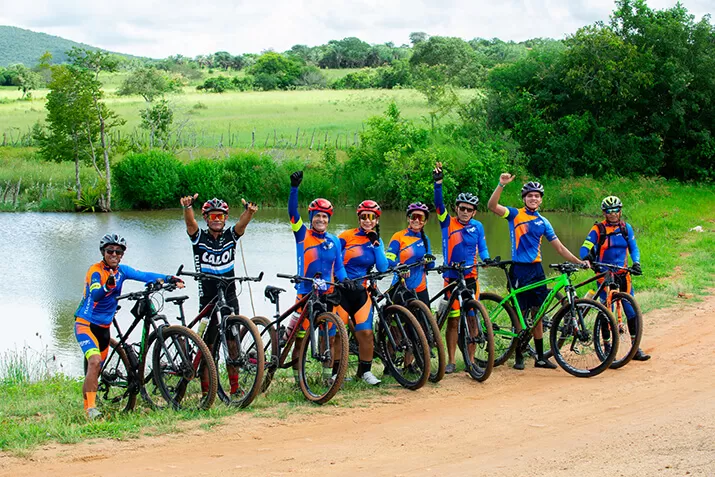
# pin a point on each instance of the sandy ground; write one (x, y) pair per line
(655, 418)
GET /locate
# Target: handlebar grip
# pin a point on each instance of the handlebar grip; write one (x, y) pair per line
(181, 269)
(283, 275)
(260, 277)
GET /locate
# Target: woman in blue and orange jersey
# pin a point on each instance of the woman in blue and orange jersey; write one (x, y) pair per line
(526, 228)
(317, 252)
(410, 246)
(462, 241)
(611, 241)
(362, 249)
(103, 284)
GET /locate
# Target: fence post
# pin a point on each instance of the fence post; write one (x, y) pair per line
(311, 140)
(296, 137)
(253, 138)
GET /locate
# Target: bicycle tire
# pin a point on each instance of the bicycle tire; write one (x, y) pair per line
(179, 366)
(479, 363)
(269, 336)
(627, 345)
(239, 368)
(437, 352)
(505, 322)
(547, 320)
(313, 383)
(117, 391)
(570, 350)
(413, 340)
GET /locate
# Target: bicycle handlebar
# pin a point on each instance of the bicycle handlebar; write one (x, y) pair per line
(612, 267)
(298, 278)
(399, 268)
(151, 287)
(203, 276)
(568, 267)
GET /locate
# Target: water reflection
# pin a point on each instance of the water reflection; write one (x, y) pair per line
(44, 259)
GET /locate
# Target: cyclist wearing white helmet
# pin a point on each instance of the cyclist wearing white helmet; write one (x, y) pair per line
(103, 284)
(462, 241)
(526, 229)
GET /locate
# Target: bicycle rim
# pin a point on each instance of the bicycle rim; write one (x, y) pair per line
(116, 391)
(240, 362)
(184, 370)
(505, 324)
(269, 337)
(476, 340)
(572, 338)
(628, 340)
(317, 381)
(406, 357)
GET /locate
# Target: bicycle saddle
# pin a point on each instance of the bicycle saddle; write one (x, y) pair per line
(272, 293)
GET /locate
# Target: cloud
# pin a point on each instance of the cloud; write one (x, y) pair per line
(163, 27)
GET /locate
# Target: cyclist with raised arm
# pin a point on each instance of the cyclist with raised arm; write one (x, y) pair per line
(612, 241)
(410, 246)
(526, 229)
(318, 253)
(362, 248)
(103, 284)
(462, 241)
(214, 253)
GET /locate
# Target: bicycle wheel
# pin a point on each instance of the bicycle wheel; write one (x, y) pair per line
(630, 330)
(476, 340)
(183, 369)
(555, 305)
(572, 338)
(269, 337)
(405, 339)
(505, 325)
(315, 368)
(117, 390)
(240, 362)
(438, 355)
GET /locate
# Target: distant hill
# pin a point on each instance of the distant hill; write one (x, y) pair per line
(18, 45)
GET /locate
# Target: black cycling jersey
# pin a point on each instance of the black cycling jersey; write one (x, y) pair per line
(215, 256)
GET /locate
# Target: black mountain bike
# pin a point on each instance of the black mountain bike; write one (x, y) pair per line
(164, 365)
(237, 348)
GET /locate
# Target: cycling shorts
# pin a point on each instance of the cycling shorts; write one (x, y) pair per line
(93, 339)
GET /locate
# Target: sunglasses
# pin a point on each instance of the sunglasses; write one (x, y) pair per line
(466, 209)
(614, 210)
(114, 251)
(217, 216)
(417, 217)
(368, 216)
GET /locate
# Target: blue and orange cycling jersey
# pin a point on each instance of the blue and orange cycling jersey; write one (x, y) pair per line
(408, 247)
(460, 242)
(99, 303)
(316, 252)
(359, 255)
(615, 248)
(526, 229)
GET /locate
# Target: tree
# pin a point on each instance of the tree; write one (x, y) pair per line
(25, 79)
(149, 83)
(157, 119)
(455, 54)
(275, 71)
(418, 37)
(349, 52)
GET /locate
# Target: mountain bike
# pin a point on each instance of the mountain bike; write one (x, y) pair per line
(166, 362)
(573, 328)
(400, 342)
(236, 348)
(325, 340)
(475, 336)
(630, 330)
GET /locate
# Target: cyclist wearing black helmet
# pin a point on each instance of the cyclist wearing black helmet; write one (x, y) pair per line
(103, 284)
(526, 228)
(462, 240)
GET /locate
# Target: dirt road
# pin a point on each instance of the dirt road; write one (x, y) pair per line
(652, 418)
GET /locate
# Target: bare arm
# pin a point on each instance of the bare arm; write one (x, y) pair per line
(245, 218)
(564, 252)
(191, 225)
(493, 203)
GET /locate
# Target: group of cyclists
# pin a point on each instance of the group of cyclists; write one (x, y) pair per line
(352, 254)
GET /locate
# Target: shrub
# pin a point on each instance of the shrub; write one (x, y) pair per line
(149, 180)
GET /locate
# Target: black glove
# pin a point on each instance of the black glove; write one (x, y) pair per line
(349, 285)
(373, 237)
(429, 258)
(296, 178)
(437, 174)
(111, 282)
(174, 280)
(636, 269)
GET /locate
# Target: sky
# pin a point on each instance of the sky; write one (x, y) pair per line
(159, 28)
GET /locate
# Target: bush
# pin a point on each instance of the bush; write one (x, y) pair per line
(218, 84)
(363, 79)
(149, 180)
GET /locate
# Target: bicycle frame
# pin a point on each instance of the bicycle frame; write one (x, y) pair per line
(458, 290)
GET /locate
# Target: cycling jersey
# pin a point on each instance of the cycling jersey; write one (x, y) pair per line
(407, 247)
(214, 256)
(359, 254)
(460, 242)
(526, 229)
(316, 252)
(615, 248)
(99, 303)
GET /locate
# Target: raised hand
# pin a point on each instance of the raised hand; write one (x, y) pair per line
(506, 178)
(188, 201)
(251, 207)
(437, 173)
(296, 178)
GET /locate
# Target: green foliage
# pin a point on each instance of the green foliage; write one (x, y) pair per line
(363, 79)
(218, 84)
(91, 197)
(276, 71)
(149, 83)
(148, 180)
(457, 59)
(157, 119)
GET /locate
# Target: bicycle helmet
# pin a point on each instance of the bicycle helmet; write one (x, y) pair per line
(467, 198)
(320, 205)
(611, 202)
(112, 239)
(418, 207)
(369, 206)
(214, 204)
(532, 187)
